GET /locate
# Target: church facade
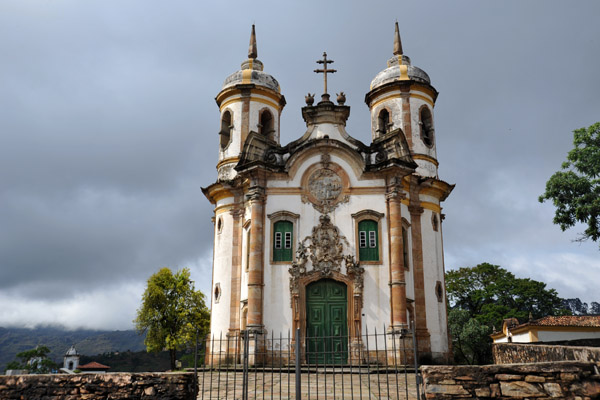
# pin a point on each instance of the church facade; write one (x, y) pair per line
(327, 234)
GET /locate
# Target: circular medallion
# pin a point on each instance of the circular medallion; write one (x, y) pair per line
(325, 185)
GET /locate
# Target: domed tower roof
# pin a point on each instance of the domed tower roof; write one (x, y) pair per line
(252, 71)
(399, 68)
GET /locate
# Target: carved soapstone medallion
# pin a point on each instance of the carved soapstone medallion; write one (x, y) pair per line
(325, 190)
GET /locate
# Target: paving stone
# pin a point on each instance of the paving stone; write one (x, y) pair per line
(269, 385)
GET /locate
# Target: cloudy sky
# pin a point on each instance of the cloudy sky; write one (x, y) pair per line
(108, 129)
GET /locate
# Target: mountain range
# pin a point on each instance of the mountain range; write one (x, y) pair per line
(58, 340)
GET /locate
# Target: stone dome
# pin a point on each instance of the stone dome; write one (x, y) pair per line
(252, 73)
(394, 72)
(72, 352)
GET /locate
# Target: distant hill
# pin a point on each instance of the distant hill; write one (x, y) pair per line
(58, 340)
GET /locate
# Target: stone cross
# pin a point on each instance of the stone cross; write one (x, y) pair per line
(325, 70)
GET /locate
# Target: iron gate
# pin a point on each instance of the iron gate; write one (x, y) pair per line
(377, 365)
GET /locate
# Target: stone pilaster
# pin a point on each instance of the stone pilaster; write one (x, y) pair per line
(236, 272)
(245, 126)
(420, 314)
(394, 197)
(406, 115)
(256, 260)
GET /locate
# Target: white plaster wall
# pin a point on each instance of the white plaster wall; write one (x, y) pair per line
(433, 271)
(222, 274)
(408, 273)
(521, 338)
(550, 336)
(244, 275)
(277, 308)
(501, 340)
(331, 131)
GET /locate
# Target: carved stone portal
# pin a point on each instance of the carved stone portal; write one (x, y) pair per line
(324, 251)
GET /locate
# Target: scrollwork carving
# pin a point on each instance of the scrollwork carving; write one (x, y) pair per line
(324, 248)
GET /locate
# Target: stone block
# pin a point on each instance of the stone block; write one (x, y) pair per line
(553, 389)
(482, 392)
(508, 377)
(447, 389)
(520, 389)
(464, 378)
(447, 382)
(567, 377)
(149, 391)
(494, 390)
(535, 379)
(591, 388)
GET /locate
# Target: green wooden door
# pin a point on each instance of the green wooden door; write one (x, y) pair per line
(326, 322)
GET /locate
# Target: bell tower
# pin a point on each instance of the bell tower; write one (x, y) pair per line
(401, 96)
(250, 100)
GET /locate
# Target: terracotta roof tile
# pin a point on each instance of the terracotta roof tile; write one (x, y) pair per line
(94, 365)
(568, 320)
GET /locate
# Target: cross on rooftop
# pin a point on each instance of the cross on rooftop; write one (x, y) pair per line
(325, 71)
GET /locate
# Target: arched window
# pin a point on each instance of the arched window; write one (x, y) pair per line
(426, 124)
(225, 133)
(266, 123)
(368, 240)
(383, 122)
(282, 240)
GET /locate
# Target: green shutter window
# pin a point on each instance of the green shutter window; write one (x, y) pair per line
(282, 241)
(368, 240)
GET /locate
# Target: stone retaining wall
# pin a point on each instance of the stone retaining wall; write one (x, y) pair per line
(147, 386)
(512, 353)
(569, 379)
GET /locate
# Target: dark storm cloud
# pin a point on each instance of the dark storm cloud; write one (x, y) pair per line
(108, 129)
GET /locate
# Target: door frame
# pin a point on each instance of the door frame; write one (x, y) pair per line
(354, 307)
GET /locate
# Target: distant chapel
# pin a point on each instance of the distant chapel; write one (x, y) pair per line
(328, 234)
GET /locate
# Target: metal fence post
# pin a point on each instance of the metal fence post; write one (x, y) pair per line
(245, 366)
(298, 370)
(196, 365)
(416, 357)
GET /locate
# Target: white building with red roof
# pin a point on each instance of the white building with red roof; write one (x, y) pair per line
(549, 329)
(94, 368)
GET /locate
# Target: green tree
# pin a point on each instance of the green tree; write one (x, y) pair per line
(575, 191)
(486, 295)
(470, 338)
(35, 361)
(171, 312)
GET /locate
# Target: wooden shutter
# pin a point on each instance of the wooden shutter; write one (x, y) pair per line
(368, 246)
(283, 241)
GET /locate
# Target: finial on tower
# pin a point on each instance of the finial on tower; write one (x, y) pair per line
(397, 41)
(252, 51)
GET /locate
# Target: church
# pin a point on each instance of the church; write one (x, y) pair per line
(327, 234)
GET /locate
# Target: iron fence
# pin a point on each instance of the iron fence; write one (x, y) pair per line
(259, 365)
